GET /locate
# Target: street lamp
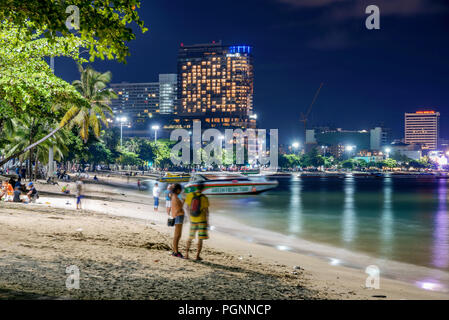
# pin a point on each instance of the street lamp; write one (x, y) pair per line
(325, 149)
(350, 148)
(388, 150)
(155, 128)
(295, 146)
(122, 120)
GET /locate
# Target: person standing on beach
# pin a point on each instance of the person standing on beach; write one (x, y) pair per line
(198, 205)
(168, 193)
(79, 193)
(156, 194)
(178, 214)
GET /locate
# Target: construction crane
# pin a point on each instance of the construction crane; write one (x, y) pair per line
(305, 117)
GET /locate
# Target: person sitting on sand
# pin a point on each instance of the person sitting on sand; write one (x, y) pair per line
(32, 192)
(17, 194)
(65, 189)
(156, 193)
(178, 215)
(198, 205)
(5, 189)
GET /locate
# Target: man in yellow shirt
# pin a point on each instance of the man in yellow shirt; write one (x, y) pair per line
(198, 205)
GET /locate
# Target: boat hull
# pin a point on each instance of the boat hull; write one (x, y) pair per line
(233, 188)
(174, 179)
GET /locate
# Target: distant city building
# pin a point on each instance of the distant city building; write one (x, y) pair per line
(379, 138)
(136, 101)
(215, 86)
(411, 151)
(335, 141)
(422, 127)
(444, 144)
(168, 93)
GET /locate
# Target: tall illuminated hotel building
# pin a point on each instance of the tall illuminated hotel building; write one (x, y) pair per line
(422, 128)
(216, 86)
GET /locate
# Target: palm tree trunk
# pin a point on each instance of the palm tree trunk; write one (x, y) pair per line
(36, 167)
(31, 146)
(30, 166)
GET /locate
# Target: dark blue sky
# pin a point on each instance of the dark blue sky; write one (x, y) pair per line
(370, 76)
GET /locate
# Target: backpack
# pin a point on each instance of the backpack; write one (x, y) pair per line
(195, 205)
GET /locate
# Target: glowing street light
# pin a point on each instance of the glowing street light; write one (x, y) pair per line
(122, 120)
(350, 148)
(324, 148)
(155, 128)
(388, 150)
(254, 116)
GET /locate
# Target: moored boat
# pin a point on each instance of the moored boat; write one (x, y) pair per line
(278, 175)
(230, 184)
(250, 172)
(173, 177)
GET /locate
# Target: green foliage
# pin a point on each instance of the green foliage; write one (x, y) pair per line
(104, 24)
(92, 86)
(313, 159)
(361, 163)
(27, 84)
(420, 164)
(390, 163)
(289, 161)
(28, 129)
(129, 158)
(162, 151)
(99, 153)
(348, 164)
(400, 158)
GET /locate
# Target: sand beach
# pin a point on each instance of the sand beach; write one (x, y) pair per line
(121, 248)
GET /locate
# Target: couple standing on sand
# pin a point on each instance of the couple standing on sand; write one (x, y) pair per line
(198, 209)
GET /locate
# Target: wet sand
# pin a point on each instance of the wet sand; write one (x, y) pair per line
(129, 257)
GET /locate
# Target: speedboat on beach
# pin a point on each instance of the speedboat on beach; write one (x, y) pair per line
(221, 183)
(173, 177)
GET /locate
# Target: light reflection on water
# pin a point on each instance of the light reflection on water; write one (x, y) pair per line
(440, 257)
(399, 219)
(349, 219)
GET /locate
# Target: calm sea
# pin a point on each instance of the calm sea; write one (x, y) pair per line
(399, 219)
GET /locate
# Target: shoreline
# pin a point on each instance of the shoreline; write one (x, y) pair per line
(338, 281)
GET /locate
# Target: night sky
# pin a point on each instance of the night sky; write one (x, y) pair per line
(370, 76)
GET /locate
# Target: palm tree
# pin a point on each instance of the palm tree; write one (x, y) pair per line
(133, 145)
(25, 131)
(93, 87)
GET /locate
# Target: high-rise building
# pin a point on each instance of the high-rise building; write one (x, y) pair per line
(168, 93)
(136, 101)
(379, 138)
(422, 128)
(215, 85)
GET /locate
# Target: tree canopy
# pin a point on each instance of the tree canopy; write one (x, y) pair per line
(104, 25)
